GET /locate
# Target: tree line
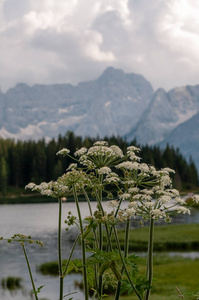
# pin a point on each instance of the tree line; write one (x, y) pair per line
(22, 162)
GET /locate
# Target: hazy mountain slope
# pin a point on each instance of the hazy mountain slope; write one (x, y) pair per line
(186, 138)
(115, 103)
(112, 104)
(164, 113)
(2, 105)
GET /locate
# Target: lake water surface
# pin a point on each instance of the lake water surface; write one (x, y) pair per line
(40, 221)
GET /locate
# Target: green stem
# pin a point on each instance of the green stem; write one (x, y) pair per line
(60, 252)
(99, 198)
(88, 201)
(96, 245)
(30, 273)
(149, 268)
(71, 253)
(124, 264)
(82, 244)
(110, 232)
(126, 246)
(106, 226)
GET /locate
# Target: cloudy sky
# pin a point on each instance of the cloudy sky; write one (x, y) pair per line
(68, 41)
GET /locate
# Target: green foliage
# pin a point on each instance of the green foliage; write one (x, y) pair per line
(38, 290)
(11, 283)
(3, 175)
(140, 282)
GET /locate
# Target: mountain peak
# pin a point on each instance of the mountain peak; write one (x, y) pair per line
(111, 73)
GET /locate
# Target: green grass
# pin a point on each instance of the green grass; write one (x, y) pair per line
(49, 268)
(184, 237)
(170, 237)
(11, 283)
(170, 273)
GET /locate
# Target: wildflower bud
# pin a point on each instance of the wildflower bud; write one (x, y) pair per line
(115, 269)
(104, 267)
(110, 196)
(141, 223)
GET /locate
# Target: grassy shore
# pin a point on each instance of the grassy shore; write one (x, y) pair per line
(170, 237)
(169, 273)
(22, 196)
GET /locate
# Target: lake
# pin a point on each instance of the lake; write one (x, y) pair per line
(40, 221)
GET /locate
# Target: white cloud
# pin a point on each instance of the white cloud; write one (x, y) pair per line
(52, 41)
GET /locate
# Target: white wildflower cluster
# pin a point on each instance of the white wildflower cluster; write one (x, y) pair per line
(158, 203)
(112, 203)
(101, 143)
(112, 178)
(195, 199)
(63, 151)
(63, 186)
(99, 156)
(142, 197)
(148, 191)
(133, 205)
(132, 149)
(51, 189)
(130, 212)
(183, 210)
(74, 177)
(100, 151)
(128, 165)
(81, 151)
(131, 153)
(133, 190)
(104, 170)
(125, 196)
(157, 213)
(85, 161)
(71, 167)
(117, 151)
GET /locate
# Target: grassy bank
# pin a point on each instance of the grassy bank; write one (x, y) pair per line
(24, 199)
(183, 237)
(169, 273)
(22, 196)
(170, 237)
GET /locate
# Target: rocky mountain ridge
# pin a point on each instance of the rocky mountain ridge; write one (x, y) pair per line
(114, 104)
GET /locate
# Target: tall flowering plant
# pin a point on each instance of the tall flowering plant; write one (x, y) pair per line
(140, 191)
